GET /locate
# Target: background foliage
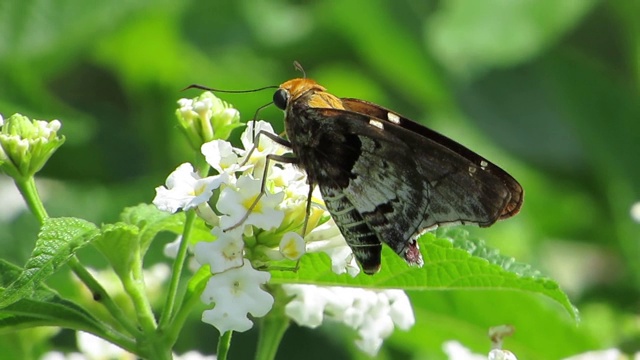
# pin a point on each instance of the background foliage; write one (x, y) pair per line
(547, 89)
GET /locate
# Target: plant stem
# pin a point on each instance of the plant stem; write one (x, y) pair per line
(273, 327)
(100, 293)
(224, 343)
(178, 264)
(27, 188)
(134, 286)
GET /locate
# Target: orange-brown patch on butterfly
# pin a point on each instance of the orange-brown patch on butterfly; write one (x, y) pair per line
(318, 95)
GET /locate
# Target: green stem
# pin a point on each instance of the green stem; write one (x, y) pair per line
(224, 343)
(100, 293)
(178, 264)
(135, 288)
(180, 318)
(274, 325)
(27, 188)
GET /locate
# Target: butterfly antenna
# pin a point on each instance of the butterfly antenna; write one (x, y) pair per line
(201, 87)
(299, 67)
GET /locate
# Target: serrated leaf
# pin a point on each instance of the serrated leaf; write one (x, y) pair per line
(48, 310)
(152, 221)
(119, 243)
(43, 308)
(449, 265)
(58, 241)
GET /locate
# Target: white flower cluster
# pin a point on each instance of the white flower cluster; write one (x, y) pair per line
(251, 227)
(372, 313)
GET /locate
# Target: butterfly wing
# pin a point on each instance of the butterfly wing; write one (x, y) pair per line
(386, 183)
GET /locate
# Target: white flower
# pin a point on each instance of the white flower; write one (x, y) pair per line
(193, 355)
(292, 246)
(327, 238)
(223, 253)
(222, 156)
(94, 348)
(185, 189)
(235, 203)
(373, 314)
(498, 354)
(235, 293)
(307, 308)
(456, 351)
(265, 145)
(609, 354)
(635, 212)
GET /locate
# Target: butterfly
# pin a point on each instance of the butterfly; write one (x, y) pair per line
(384, 178)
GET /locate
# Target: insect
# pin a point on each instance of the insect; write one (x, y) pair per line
(384, 178)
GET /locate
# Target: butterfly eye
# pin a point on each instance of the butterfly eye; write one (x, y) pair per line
(281, 98)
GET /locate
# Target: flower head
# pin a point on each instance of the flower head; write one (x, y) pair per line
(373, 314)
(236, 292)
(185, 189)
(205, 118)
(224, 253)
(26, 145)
(246, 200)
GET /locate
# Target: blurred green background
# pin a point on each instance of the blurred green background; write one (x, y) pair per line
(547, 89)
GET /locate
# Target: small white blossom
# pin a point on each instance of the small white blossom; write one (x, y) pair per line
(95, 348)
(235, 203)
(327, 238)
(193, 355)
(235, 293)
(224, 253)
(265, 145)
(456, 351)
(609, 354)
(222, 156)
(498, 354)
(292, 246)
(635, 212)
(373, 314)
(185, 189)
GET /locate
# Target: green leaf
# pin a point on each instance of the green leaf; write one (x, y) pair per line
(48, 311)
(470, 36)
(58, 241)
(196, 284)
(450, 264)
(466, 316)
(119, 243)
(151, 221)
(43, 307)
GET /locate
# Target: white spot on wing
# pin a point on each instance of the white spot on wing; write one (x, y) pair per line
(393, 118)
(376, 123)
(483, 164)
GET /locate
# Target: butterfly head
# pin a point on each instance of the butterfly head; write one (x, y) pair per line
(307, 90)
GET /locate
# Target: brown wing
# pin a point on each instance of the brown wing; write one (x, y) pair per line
(375, 111)
(396, 179)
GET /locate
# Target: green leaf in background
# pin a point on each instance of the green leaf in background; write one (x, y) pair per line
(58, 241)
(469, 36)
